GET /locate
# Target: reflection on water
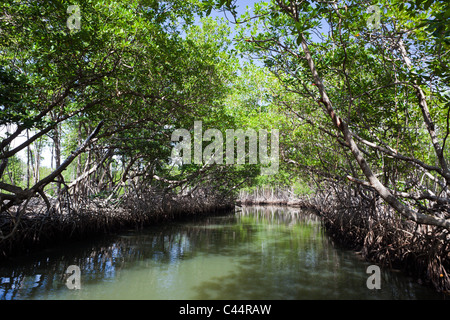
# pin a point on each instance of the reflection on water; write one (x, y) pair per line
(255, 253)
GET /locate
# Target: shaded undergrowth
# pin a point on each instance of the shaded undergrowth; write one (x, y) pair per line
(34, 225)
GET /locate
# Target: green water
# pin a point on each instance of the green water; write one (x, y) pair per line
(254, 253)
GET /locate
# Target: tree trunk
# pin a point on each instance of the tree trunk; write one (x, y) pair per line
(57, 149)
(348, 136)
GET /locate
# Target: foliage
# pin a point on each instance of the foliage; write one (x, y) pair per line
(365, 102)
(110, 91)
(352, 100)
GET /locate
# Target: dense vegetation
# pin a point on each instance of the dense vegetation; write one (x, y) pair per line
(358, 91)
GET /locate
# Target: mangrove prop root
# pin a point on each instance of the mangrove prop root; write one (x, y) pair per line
(371, 227)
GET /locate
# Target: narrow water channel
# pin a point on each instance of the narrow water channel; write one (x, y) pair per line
(254, 253)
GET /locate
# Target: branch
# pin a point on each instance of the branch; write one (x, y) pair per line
(422, 196)
(427, 117)
(374, 182)
(86, 174)
(46, 130)
(68, 161)
(397, 155)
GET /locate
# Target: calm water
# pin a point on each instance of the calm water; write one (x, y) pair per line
(255, 253)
